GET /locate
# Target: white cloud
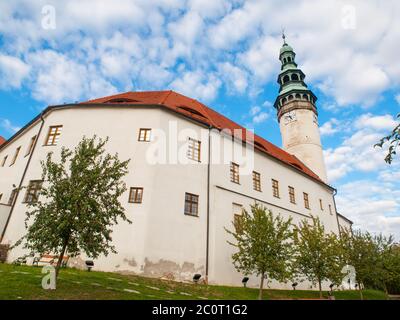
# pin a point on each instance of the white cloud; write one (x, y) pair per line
(357, 151)
(12, 71)
(197, 85)
(330, 127)
(8, 126)
(371, 205)
(235, 78)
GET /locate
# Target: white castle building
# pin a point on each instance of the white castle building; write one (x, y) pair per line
(191, 172)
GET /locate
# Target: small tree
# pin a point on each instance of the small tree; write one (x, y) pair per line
(360, 251)
(317, 253)
(78, 203)
(394, 140)
(263, 243)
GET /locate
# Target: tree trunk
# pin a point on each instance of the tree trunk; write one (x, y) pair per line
(360, 290)
(260, 294)
(60, 258)
(320, 288)
(386, 291)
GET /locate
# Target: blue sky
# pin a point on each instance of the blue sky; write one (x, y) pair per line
(224, 53)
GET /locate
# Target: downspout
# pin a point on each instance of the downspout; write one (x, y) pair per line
(208, 204)
(337, 218)
(23, 177)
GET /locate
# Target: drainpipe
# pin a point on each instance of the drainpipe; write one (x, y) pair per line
(337, 218)
(208, 203)
(22, 178)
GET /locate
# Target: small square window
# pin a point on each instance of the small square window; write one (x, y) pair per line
(194, 147)
(275, 188)
(15, 156)
(136, 195)
(144, 135)
(53, 136)
(292, 195)
(33, 190)
(306, 201)
(3, 163)
(234, 172)
(191, 204)
(256, 181)
(31, 145)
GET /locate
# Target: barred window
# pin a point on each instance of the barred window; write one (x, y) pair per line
(53, 136)
(136, 195)
(144, 135)
(275, 188)
(30, 148)
(292, 195)
(194, 149)
(306, 201)
(191, 204)
(15, 156)
(256, 181)
(32, 192)
(234, 172)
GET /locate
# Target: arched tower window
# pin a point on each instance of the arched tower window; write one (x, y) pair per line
(291, 97)
(286, 79)
(298, 96)
(295, 77)
(305, 97)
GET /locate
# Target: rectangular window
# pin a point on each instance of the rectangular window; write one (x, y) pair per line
(1, 196)
(306, 201)
(32, 192)
(30, 148)
(321, 205)
(194, 149)
(275, 188)
(12, 197)
(3, 163)
(292, 195)
(234, 172)
(330, 209)
(191, 204)
(15, 156)
(136, 195)
(237, 216)
(256, 181)
(53, 136)
(144, 135)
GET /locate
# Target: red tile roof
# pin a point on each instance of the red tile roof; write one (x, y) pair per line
(198, 111)
(2, 140)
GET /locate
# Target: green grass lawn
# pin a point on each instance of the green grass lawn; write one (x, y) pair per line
(22, 282)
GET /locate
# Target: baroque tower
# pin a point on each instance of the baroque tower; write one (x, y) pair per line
(298, 115)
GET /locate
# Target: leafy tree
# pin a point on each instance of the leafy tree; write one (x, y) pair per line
(78, 203)
(360, 251)
(317, 253)
(387, 266)
(394, 140)
(263, 243)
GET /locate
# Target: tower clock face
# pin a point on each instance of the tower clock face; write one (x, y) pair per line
(289, 117)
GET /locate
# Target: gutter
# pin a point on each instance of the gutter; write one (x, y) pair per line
(25, 171)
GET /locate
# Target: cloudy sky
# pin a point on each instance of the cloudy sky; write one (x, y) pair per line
(224, 53)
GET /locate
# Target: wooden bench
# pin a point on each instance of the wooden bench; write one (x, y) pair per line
(49, 259)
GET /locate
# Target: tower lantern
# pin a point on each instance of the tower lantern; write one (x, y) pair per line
(297, 114)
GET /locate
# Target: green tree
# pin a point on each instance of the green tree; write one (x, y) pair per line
(263, 244)
(317, 253)
(387, 267)
(78, 203)
(360, 251)
(394, 140)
